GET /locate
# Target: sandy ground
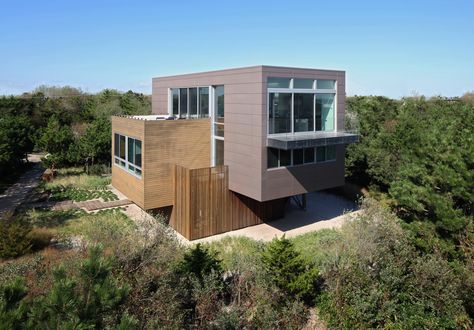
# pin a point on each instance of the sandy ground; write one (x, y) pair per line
(324, 210)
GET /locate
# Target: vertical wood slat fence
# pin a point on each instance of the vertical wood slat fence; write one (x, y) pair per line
(204, 205)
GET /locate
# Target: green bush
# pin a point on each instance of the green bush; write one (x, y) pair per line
(99, 169)
(92, 299)
(289, 271)
(377, 279)
(14, 238)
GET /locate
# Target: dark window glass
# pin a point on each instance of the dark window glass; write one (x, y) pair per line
(303, 83)
(272, 157)
(309, 155)
(131, 147)
(183, 102)
(204, 101)
(303, 112)
(175, 96)
(330, 152)
(297, 156)
(220, 103)
(138, 153)
(321, 154)
(219, 152)
(116, 144)
(122, 147)
(193, 106)
(285, 157)
(274, 82)
(279, 120)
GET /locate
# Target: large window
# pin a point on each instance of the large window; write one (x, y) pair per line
(300, 105)
(128, 153)
(189, 102)
(285, 158)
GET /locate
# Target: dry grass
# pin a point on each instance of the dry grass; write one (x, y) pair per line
(75, 177)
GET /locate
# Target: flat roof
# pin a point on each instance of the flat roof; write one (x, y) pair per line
(310, 139)
(262, 68)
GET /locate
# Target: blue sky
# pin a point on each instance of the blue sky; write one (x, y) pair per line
(392, 48)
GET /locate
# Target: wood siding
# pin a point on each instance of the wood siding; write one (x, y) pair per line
(204, 205)
(167, 143)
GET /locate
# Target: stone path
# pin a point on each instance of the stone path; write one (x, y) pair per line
(18, 192)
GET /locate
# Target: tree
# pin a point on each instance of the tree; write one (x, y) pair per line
(95, 144)
(289, 271)
(56, 139)
(376, 279)
(15, 140)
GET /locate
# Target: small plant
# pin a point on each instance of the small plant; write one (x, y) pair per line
(79, 195)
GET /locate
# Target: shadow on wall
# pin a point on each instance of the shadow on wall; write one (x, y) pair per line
(320, 206)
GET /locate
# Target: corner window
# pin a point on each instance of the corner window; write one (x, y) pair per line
(300, 105)
(128, 153)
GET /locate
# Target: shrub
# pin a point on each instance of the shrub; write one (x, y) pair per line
(376, 279)
(14, 239)
(99, 169)
(40, 238)
(289, 271)
(92, 299)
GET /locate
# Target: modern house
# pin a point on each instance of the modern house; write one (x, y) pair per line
(227, 149)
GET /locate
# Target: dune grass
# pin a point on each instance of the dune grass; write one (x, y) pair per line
(75, 177)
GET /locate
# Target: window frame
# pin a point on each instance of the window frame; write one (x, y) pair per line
(125, 164)
(188, 103)
(291, 90)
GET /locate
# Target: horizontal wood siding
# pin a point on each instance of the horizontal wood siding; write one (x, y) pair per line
(169, 143)
(204, 205)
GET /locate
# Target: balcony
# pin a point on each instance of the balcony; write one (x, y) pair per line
(311, 139)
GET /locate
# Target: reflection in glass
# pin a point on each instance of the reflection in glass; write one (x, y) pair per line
(303, 112)
(122, 147)
(219, 102)
(324, 112)
(280, 113)
(193, 102)
(274, 82)
(303, 83)
(219, 152)
(204, 101)
(138, 153)
(183, 102)
(320, 154)
(325, 84)
(175, 96)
